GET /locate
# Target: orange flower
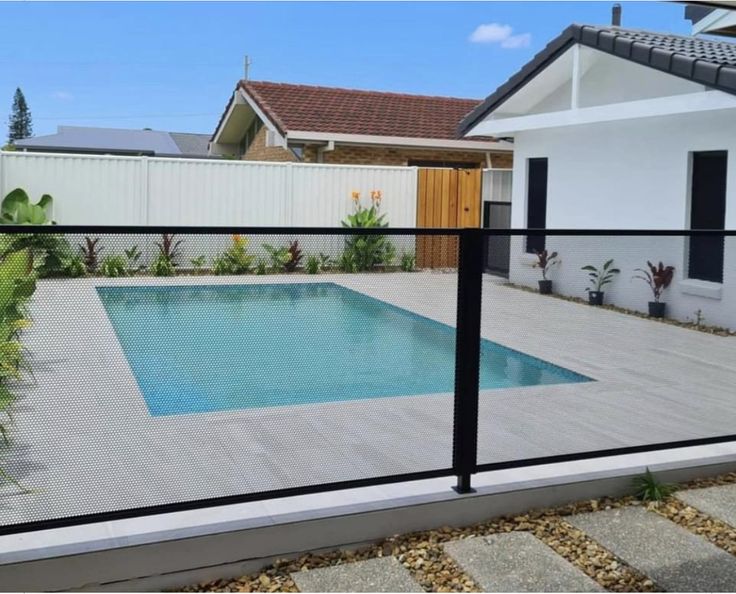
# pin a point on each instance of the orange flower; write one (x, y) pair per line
(237, 238)
(355, 196)
(376, 195)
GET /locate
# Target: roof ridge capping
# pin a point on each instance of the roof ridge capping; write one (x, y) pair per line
(246, 83)
(706, 62)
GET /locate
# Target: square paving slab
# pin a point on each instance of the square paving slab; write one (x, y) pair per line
(518, 562)
(674, 558)
(383, 574)
(719, 502)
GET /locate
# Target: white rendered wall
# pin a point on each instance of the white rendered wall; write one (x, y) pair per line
(629, 175)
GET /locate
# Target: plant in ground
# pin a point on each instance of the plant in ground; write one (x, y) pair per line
(114, 266)
(295, 256)
(17, 209)
(162, 266)
(279, 257)
(599, 278)
(657, 277)
(169, 247)
(236, 259)
(17, 285)
(261, 267)
(50, 251)
(408, 262)
(90, 253)
(312, 266)
(133, 256)
(365, 252)
(648, 488)
(545, 262)
(198, 263)
(74, 266)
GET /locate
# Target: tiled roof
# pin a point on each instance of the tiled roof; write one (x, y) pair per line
(305, 108)
(704, 61)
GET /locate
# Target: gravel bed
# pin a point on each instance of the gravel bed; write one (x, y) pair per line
(421, 553)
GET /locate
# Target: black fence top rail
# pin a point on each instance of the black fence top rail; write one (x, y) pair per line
(455, 231)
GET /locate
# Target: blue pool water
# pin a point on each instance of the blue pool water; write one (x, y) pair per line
(208, 348)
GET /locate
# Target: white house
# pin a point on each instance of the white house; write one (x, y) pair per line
(618, 128)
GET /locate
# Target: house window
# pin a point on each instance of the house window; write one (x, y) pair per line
(249, 136)
(707, 211)
(536, 203)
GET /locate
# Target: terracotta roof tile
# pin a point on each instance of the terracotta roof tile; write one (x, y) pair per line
(347, 111)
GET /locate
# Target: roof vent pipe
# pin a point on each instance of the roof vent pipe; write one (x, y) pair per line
(616, 15)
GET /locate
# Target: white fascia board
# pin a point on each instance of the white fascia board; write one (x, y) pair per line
(629, 110)
(297, 136)
(280, 140)
(718, 19)
(223, 124)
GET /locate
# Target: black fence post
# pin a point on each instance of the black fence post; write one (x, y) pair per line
(467, 357)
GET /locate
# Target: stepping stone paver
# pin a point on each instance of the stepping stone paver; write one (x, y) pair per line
(674, 558)
(719, 502)
(517, 562)
(382, 574)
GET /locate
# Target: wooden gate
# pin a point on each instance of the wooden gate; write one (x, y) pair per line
(445, 198)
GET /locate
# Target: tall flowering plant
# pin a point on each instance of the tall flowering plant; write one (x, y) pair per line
(365, 252)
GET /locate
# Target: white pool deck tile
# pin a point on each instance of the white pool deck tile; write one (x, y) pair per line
(654, 383)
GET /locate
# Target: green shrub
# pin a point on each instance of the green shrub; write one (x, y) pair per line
(17, 285)
(162, 266)
(648, 488)
(346, 261)
(49, 251)
(236, 260)
(365, 252)
(74, 266)
(133, 256)
(279, 257)
(114, 266)
(17, 209)
(261, 267)
(312, 266)
(408, 262)
(198, 263)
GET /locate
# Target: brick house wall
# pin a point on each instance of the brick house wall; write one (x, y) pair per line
(369, 155)
(258, 151)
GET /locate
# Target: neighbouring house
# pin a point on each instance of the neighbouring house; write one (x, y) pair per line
(118, 141)
(267, 121)
(619, 128)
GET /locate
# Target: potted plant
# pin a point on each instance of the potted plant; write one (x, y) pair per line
(599, 278)
(545, 262)
(658, 278)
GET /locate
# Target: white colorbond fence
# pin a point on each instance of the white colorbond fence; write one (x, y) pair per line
(111, 190)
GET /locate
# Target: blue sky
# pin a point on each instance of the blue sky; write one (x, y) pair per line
(172, 66)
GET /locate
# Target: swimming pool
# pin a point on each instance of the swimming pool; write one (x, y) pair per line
(198, 349)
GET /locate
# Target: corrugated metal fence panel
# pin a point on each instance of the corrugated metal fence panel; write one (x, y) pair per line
(92, 189)
(185, 192)
(86, 190)
(497, 185)
(321, 193)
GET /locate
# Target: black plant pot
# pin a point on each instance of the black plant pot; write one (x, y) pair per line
(656, 310)
(545, 287)
(595, 297)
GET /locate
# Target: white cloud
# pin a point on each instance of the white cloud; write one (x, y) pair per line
(501, 34)
(514, 41)
(62, 95)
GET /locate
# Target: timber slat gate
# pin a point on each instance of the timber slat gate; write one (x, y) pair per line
(445, 198)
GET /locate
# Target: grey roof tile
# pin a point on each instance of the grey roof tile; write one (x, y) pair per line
(705, 61)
